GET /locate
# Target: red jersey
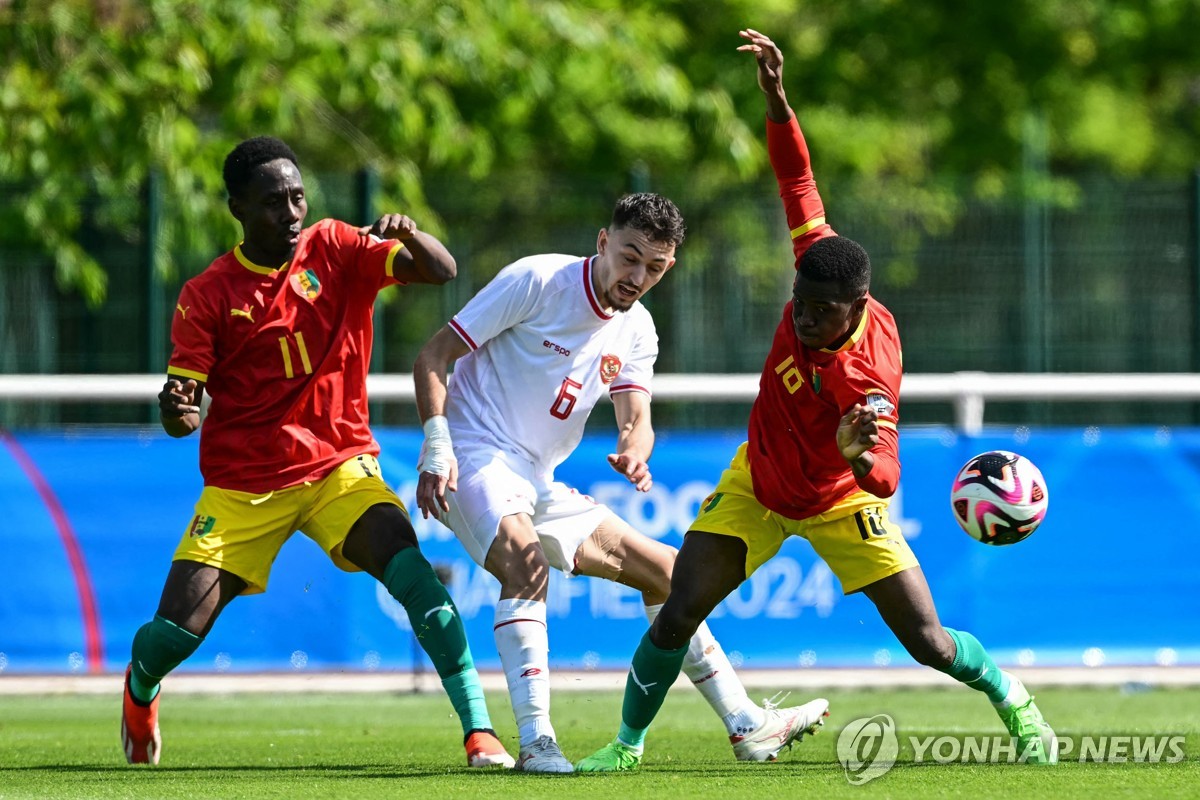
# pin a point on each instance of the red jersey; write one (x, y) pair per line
(284, 355)
(797, 468)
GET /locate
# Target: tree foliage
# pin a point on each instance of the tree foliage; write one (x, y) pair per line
(96, 94)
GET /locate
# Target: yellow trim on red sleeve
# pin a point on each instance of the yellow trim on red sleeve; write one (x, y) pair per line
(387, 267)
(806, 227)
(187, 373)
(884, 423)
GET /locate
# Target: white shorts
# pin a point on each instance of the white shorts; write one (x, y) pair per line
(493, 484)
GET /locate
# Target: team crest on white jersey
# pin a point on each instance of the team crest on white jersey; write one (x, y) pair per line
(610, 365)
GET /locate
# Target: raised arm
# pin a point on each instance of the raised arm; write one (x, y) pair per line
(787, 148)
(424, 259)
(770, 73)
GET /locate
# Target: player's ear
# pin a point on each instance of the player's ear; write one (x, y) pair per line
(602, 241)
(858, 305)
(235, 208)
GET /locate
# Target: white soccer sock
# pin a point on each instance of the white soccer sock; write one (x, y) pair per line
(707, 666)
(521, 640)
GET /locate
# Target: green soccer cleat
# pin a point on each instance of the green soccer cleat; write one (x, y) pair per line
(1035, 738)
(613, 757)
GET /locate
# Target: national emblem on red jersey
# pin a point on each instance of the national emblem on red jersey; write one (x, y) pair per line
(306, 284)
(609, 367)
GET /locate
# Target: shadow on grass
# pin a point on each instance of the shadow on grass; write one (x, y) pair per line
(391, 771)
(333, 770)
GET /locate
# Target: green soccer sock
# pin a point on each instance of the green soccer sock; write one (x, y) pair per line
(651, 674)
(974, 667)
(159, 646)
(466, 695)
(435, 621)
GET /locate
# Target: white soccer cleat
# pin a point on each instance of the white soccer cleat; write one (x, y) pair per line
(783, 727)
(544, 757)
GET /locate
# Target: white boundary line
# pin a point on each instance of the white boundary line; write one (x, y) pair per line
(407, 682)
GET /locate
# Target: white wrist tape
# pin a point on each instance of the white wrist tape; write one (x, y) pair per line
(437, 454)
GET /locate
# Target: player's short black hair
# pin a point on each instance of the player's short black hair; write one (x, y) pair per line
(836, 258)
(653, 215)
(250, 154)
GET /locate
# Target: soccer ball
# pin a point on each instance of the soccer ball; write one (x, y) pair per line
(999, 497)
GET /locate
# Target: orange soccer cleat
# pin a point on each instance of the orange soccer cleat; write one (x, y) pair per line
(485, 750)
(139, 728)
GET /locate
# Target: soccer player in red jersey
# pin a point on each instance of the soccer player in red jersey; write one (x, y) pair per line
(278, 331)
(821, 462)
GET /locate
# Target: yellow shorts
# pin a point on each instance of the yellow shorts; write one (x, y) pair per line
(242, 533)
(855, 537)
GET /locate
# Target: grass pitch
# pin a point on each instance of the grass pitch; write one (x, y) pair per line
(392, 746)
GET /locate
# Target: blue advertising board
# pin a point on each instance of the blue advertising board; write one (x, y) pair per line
(93, 517)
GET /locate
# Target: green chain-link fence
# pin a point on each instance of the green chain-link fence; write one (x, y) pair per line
(1103, 279)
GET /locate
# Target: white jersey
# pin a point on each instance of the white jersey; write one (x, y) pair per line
(543, 350)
